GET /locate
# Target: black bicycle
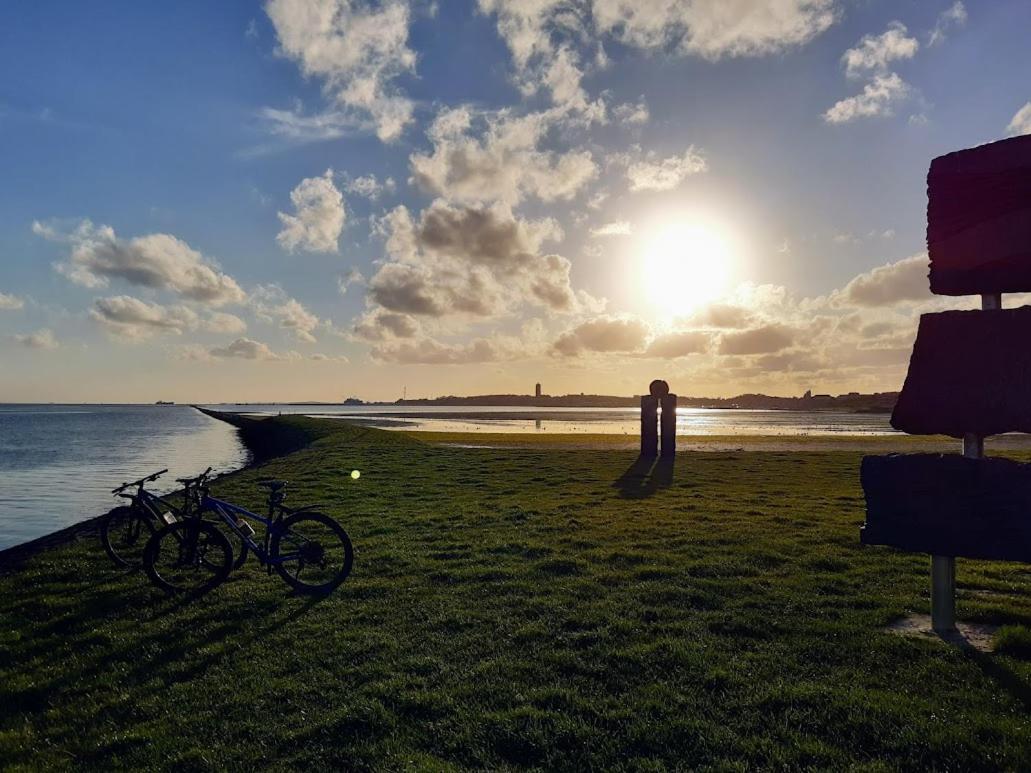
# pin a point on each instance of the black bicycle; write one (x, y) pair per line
(310, 551)
(125, 530)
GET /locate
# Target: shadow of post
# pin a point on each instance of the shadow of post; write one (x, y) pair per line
(645, 476)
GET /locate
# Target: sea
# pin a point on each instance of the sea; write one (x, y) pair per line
(58, 463)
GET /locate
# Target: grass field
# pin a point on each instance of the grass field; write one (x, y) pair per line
(546, 607)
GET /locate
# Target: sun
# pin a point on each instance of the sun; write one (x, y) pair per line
(685, 265)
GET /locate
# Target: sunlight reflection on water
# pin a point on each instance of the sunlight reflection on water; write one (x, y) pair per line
(59, 463)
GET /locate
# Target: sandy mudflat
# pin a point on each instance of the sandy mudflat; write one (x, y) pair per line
(881, 444)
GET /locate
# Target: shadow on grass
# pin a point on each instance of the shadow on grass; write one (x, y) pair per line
(645, 477)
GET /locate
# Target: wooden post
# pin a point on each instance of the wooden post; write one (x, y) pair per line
(649, 426)
(668, 424)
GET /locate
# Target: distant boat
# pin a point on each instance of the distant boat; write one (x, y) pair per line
(165, 402)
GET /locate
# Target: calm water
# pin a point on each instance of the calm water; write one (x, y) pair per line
(690, 421)
(58, 463)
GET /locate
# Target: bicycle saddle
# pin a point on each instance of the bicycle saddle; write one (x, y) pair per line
(272, 485)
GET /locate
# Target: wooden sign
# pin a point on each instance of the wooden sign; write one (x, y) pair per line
(979, 219)
(969, 373)
(948, 505)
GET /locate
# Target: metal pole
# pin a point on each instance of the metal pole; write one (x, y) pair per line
(943, 568)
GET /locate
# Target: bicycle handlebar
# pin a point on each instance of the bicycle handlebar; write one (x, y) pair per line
(196, 479)
(139, 482)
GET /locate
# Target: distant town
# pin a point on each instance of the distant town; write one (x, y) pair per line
(856, 402)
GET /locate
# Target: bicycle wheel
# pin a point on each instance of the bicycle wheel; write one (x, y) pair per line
(124, 533)
(311, 552)
(188, 557)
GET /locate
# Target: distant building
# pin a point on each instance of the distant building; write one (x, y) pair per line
(808, 395)
(537, 392)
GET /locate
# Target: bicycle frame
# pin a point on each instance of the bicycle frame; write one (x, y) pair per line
(229, 512)
(150, 503)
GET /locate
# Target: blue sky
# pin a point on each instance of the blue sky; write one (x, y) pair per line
(515, 188)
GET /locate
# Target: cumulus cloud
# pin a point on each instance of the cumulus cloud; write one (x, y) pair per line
(603, 334)
(471, 262)
(10, 302)
(483, 158)
(369, 187)
(878, 98)
(41, 339)
(616, 228)
(715, 28)
(428, 351)
(679, 344)
(632, 113)
(953, 16)
(319, 217)
(158, 261)
(220, 322)
(650, 173)
(761, 340)
(246, 349)
(352, 277)
(722, 316)
(133, 318)
(875, 52)
(904, 280)
(358, 50)
(1021, 122)
(273, 305)
(382, 325)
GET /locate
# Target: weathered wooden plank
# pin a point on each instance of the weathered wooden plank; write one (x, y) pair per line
(948, 505)
(970, 372)
(979, 219)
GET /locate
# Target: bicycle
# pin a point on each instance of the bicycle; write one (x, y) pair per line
(193, 555)
(125, 530)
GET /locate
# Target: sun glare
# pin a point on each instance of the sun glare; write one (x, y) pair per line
(686, 265)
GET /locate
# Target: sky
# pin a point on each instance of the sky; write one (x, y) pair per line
(320, 199)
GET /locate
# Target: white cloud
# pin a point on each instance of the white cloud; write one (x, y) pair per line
(953, 16)
(158, 261)
(603, 334)
(129, 317)
(503, 163)
(679, 344)
(470, 262)
(41, 339)
(878, 99)
(715, 28)
(353, 276)
(220, 322)
(904, 280)
(632, 113)
(367, 186)
(429, 351)
(297, 127)
(10, 302)
(319, 217)
(273, 305)
(1021, 121)
(248, 349)
(357, 50)
(875, 52)
(761, 340)
(650, 173)
(616, 228)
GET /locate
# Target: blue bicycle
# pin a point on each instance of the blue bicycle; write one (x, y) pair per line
(309, 550)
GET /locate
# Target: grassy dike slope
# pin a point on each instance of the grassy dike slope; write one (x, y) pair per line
(523, 607)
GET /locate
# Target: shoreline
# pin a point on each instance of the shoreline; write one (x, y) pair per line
(260, 444)
(270, 437)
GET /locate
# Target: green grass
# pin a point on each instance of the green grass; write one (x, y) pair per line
(516, 608)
